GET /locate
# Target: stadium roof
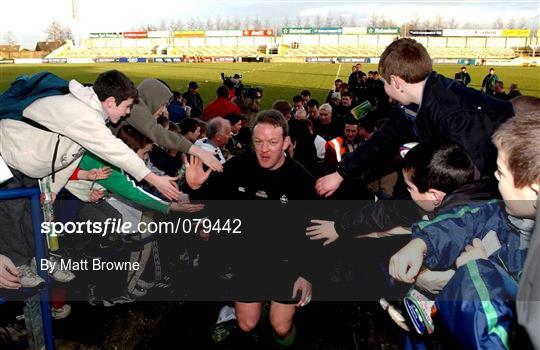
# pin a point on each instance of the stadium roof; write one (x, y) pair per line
(49, 45)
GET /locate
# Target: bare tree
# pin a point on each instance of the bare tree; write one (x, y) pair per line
(55, 31)
(286, 22)
(267, 23)
(68, 35)
(9, 38)
(318, 21)
(176, 25)
(146, 27)
(245, 23)
(414, 22)
(209, 24)
(329, 20)
(228, 24)
(438, 23)
(425, 24)
(218, 23)
(257, 23)
(386, 22)
(452, 23)
(498, 24)
(522, 23)
(340, 21)
(307, 22)
(352, 21)
(298, 21)
(192, 23)
(373, 20)
(511, 24)
(162, 25)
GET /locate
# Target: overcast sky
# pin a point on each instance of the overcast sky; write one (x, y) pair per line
(29, 18)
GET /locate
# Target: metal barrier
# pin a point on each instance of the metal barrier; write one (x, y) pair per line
(40, 249)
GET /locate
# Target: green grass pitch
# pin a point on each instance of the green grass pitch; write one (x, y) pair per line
(279, 80)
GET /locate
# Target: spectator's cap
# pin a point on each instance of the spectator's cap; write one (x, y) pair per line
(336, 95)
(193, 85)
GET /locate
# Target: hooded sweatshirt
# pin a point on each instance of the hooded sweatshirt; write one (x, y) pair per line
(77, 121)
(152, 95)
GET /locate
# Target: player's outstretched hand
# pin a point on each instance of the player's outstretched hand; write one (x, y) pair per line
(304, 287)
(195, 174)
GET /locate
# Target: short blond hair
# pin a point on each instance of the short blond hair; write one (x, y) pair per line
(518, 139)
(326, 107)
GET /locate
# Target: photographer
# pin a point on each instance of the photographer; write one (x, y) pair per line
(233, 83)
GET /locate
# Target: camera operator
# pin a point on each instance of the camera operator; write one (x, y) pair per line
(248, 100)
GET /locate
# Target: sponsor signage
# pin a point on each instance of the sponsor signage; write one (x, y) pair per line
(106, 35)
(257, 32)
(472, 32)
(168, 60)
(382, 30)
(426, 32)
(159, 34)
(318, 59)
(467, 61)
(135, 35)
(353, 60)
(80, 60)
(224, 59)
(106, 60)
(354, 30)
(297, 30)
(8, 61)
(132, 59)
(516, 32)
(55, 60)
(29, 60)
(188, 33)
(221, 33)
(329, 30)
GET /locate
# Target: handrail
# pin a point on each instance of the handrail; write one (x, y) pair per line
(40, 250)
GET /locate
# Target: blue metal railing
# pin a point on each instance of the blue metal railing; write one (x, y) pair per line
(40, 250)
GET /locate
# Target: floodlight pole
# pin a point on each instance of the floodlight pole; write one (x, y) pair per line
(76, 26)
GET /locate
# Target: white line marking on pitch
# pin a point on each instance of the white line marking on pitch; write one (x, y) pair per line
(337, 74)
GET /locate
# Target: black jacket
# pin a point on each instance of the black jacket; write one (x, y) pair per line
(387, 214)
(195, 102)
(271, 205)
(449, 112)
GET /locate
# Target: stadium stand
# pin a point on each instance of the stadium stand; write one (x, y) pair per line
(295, 47)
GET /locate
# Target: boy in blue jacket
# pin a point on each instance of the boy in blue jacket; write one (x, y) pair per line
(487, 243)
